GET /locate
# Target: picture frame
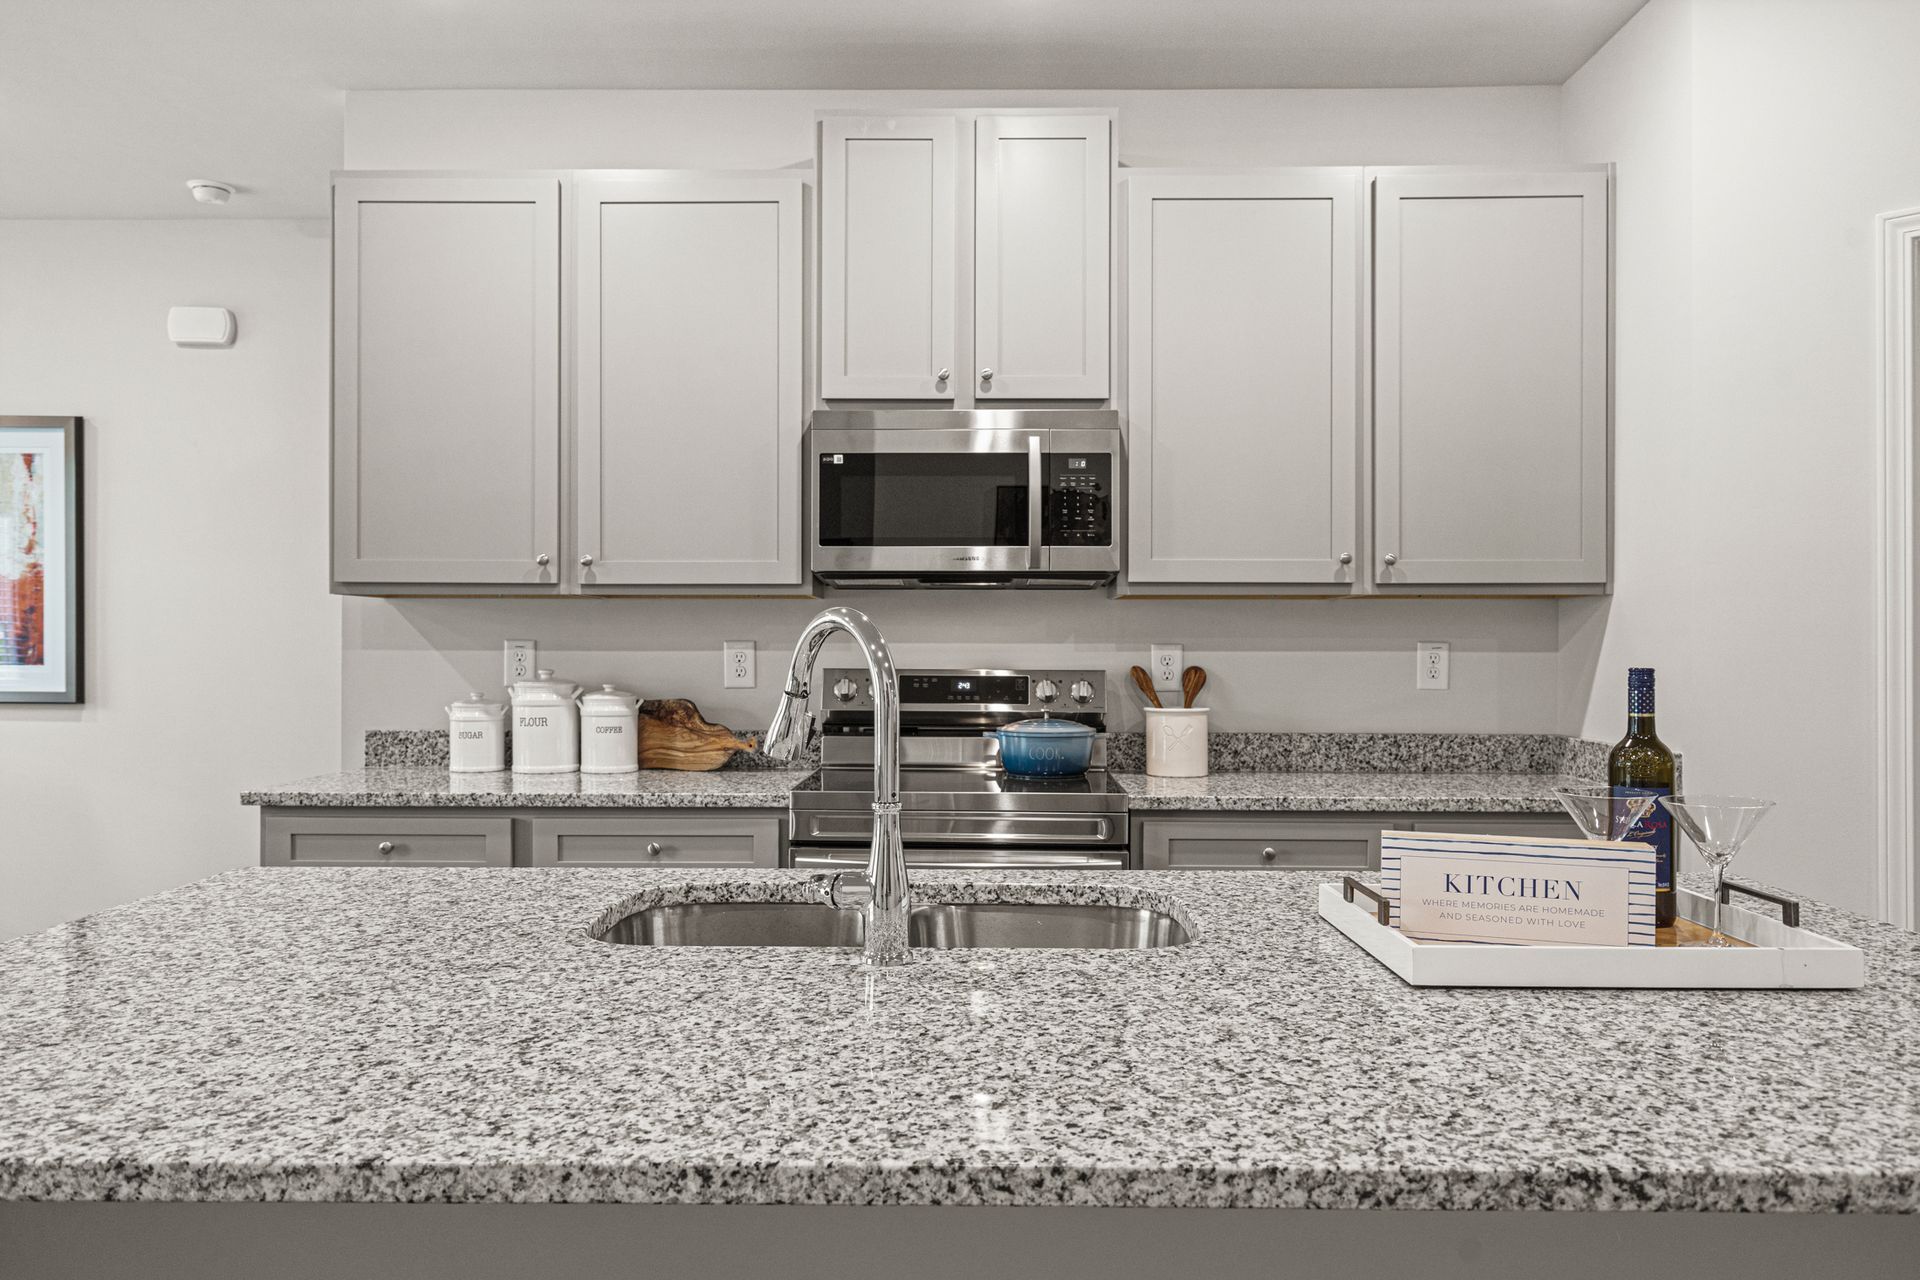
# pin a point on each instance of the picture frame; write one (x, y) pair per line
(42, 657)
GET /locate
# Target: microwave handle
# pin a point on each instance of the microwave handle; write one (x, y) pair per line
(1035, 533)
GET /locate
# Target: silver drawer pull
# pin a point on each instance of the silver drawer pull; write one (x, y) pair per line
(386, 846)
(653, 849)
(1268, 853)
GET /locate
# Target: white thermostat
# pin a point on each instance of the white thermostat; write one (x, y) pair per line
(200, 326)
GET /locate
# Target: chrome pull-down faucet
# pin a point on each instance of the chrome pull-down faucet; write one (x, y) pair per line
(880, 892)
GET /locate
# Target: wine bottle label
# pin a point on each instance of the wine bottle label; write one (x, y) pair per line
(1655, 829)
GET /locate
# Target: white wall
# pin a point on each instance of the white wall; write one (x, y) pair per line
(1272, 665)
(212, 645)
(1800, 124)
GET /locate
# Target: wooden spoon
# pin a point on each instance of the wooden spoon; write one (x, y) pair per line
(1192, 681)
(1145, 681)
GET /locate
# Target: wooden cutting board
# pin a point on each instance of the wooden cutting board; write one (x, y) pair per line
(674, 735)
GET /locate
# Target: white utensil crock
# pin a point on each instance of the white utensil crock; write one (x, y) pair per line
(1177, 742)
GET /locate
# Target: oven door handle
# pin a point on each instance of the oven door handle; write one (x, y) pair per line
(1035, 533)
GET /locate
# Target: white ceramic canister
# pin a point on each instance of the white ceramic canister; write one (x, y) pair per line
(1177, 742)
(609, 732)
(476, 735)
(546, 725)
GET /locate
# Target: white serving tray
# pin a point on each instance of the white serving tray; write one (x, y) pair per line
(1780, 957)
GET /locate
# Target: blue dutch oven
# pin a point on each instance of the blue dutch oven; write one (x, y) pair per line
(1044, 748)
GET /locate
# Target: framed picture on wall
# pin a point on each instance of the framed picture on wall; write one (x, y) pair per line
(40, 652)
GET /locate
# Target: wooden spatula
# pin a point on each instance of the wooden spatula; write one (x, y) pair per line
(1192, 681)
(1145, 681)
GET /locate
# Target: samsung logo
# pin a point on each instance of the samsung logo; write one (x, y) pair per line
(966, 559)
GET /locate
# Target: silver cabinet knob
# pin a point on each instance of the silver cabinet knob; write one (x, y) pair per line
(1046, 691)
(653, 849)
(845, 689)
(386, 846)
(1392, 559)
(541, 559)
(1268, 853)
(986, 375)
(1081, 692)
(1346, 557)
(586, 562)
(943, 375)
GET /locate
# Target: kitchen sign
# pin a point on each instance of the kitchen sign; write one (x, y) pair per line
(1518, 890)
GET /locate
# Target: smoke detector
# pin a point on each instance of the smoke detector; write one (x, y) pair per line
(209, 192)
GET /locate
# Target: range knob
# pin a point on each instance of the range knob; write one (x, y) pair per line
(845, 689)
(1081, 692)
(1046, 691)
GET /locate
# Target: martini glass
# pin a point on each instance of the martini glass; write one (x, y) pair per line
(1718, 826)
(1601, 814)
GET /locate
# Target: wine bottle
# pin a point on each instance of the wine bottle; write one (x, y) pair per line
(1641, 765)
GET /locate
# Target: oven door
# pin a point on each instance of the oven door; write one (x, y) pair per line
(846, 857)
(941, 501)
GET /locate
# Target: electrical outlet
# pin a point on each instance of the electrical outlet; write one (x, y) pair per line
(520, 660)
(736, 664)
(1166, 667)
(1430, 664)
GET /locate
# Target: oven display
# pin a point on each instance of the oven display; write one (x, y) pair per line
(947, 689)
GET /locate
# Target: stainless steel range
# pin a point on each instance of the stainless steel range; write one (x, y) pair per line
(958, 808)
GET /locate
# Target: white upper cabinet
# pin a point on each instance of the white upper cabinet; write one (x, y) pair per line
(688, 392)
(1490, 378)
(1242, 377)
(446, 381)
(887, 258)
(1042, 195)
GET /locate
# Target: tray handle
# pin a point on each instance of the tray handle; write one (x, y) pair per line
(1382, 909)
(1789, 908)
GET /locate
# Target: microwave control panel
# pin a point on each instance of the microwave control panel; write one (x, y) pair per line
(1079, 500)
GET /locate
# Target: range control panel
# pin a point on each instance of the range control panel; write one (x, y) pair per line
(1030, 692)
(1079, 500)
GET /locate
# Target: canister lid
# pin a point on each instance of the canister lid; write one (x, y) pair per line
(476, 706)
(545, 689)
(607, 700)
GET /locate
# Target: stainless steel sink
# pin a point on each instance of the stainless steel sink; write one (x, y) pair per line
(940, 926)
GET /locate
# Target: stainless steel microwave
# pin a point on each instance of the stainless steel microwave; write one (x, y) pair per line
(987, 498)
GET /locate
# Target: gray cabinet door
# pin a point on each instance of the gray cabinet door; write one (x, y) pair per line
(1243, 377)
(446, 380)
(887, 258)
(441, 840)
(688, 410)
(653, 840)
(1255, 844)
(1490, 378)
(1043, 192)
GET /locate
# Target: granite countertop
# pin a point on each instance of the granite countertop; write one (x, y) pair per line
(431, 786)
(1346, 792)
(454, 1035)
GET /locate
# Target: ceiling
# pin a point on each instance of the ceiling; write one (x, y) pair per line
(107, 107)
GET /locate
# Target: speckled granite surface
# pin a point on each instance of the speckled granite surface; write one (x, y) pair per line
(432, 787)
(365, 1034)
(1380, 753)
(1346, 792)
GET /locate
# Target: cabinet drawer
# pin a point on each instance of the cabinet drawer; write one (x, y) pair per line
(1501, 824)
(1199, 845)
(386, 842)
(656, 842)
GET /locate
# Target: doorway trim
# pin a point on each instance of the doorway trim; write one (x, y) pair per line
(1894, 648)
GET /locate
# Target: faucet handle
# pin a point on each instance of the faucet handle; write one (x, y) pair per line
(847, 890)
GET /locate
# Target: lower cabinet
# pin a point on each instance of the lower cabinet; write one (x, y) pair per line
(1242, 843)
(521, 838)
(1321, 842)
(434, 841)
(656, 842)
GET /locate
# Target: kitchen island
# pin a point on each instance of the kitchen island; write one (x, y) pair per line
(379, 1045)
